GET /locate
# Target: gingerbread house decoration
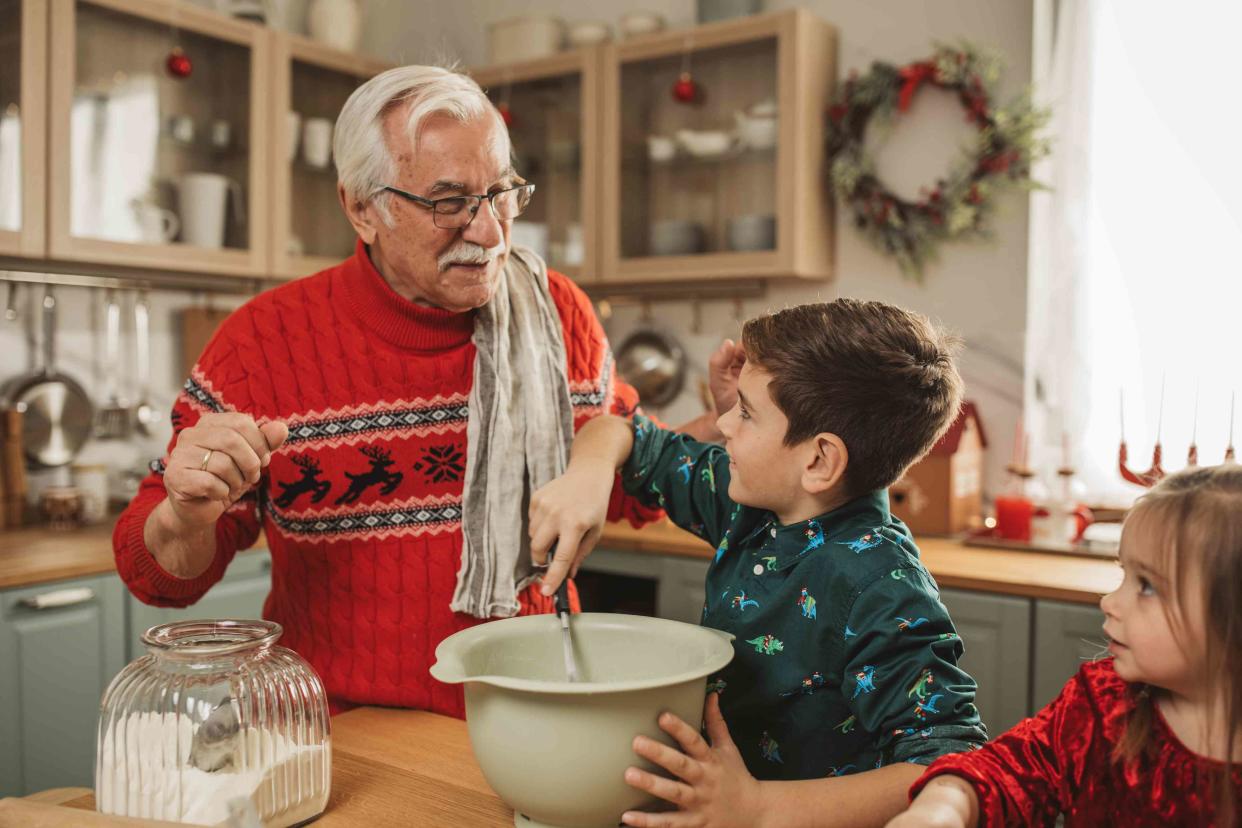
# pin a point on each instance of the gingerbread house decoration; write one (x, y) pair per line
(942, 494)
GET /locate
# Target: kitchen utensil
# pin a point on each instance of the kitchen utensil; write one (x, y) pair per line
(155, 224)
(588, 33)
(91, 479)
(57, 413)
(317, 142)
(230, 715)
(112, 421)
(654, 363)
(676, 237)
(524, 38)
(757, 127)
(62, 506)
(518, 703)
(14, 468)
(661, 148)
(755, 231)
(145, 415)
(203, 199)
(709, 11)
(337, 23)
(707, 143)
(635, 23)
(560, 603)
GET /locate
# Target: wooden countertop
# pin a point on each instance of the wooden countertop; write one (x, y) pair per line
(33, 556)
(1077, 578)
(394, 767)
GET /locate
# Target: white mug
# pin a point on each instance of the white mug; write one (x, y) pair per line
(221, 134)
(155, 224)
(293, 129)
(317, 142)
(204, 203)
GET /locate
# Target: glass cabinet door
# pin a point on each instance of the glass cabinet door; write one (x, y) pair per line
(713, 140)
(312, 84)
(23, 51)
(159, 163)
(552, 122)
(700, 176)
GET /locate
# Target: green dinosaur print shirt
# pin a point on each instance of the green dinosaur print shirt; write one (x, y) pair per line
(845, 658)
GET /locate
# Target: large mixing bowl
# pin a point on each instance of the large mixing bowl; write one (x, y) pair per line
(556, 752)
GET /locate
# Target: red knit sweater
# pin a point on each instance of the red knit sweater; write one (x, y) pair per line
(362, 505)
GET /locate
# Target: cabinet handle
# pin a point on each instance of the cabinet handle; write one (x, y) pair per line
(59, 598)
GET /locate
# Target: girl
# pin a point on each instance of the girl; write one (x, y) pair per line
(1152, 735)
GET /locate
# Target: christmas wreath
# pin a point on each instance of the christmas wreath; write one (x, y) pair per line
(956, 206)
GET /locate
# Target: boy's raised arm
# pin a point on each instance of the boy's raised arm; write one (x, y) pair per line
(571, 510)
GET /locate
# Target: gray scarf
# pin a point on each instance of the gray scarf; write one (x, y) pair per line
(517, 436)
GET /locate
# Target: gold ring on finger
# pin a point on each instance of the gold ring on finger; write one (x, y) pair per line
(206, 459)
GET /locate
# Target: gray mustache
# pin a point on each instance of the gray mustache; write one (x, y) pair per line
(466, 253)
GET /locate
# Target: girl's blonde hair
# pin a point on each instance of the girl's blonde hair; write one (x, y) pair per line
(1198, 512)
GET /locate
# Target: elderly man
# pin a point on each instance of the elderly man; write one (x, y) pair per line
(385, 420)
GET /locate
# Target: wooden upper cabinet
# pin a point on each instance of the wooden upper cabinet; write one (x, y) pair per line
(147, 169)
(23, 95)
(735, 183)
(554, 117)
(310, 84)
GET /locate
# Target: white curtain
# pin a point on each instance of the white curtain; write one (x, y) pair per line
(1134, 280)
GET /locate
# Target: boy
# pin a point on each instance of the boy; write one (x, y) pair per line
(845, 658)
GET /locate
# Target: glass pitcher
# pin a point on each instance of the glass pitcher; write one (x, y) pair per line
(214, 721)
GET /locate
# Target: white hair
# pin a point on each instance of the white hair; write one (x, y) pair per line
(364, 163)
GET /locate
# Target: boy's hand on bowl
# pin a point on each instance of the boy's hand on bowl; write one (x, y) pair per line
(715, 789)
(570, 512)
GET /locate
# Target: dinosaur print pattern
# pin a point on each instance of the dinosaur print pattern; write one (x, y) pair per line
(741, 602)
(864, 681)
(767, 644)
(807, 686)
(904, 624)
(769, 748)
(806, 603)
(861, 544)
(814, 536)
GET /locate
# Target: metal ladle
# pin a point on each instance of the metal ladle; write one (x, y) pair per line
(145, 415)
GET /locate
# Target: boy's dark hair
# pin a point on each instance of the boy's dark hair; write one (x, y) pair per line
(880, 378)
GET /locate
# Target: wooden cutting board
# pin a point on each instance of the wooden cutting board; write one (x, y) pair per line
(197, 327)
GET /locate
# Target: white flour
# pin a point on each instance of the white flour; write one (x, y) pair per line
(144, 771)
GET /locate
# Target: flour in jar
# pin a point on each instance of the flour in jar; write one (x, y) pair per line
(145, 771)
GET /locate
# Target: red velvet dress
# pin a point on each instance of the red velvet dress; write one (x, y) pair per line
(1061, 761)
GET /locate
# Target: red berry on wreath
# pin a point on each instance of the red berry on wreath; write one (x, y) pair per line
(685, 90)
(178, 63)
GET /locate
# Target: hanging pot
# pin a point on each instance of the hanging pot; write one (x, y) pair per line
(58, 413)
(654, 363)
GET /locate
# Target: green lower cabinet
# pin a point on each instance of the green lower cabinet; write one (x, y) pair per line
(240, 594)
(60, 646)
(996, 635)
(1066, 635)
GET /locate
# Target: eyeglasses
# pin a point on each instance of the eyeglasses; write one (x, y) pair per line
(456, 212)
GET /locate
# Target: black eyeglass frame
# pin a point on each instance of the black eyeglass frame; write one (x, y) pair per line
(432, 204)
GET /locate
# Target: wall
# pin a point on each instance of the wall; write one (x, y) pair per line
(977, 289)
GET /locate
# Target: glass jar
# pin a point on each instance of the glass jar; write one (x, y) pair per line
(214, 721)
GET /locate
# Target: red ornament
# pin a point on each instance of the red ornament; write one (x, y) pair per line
(178, 63)
(506, 115)
(685, 90)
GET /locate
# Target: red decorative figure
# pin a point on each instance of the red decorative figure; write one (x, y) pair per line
(178, 63)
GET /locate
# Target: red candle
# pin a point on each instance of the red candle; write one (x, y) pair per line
(1013, 517)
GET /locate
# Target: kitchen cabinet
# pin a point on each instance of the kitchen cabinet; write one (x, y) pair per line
(239, 594)
(553, 110)
(996, 635)
(733, 183)
(147, 168)
(1066, 635)
(310, 84)
(666, 586)
(60, 645)
(23, 136)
